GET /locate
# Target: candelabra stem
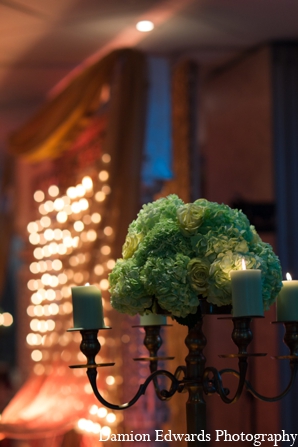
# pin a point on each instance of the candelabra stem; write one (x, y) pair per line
(195, 365)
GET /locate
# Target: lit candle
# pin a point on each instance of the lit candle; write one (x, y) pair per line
(287, 301)
(87, 307)
(153, 320)
(247, 292)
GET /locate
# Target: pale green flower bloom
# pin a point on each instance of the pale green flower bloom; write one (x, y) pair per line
(198, 273)
(190, 217)
(131, 244)
(176, 252)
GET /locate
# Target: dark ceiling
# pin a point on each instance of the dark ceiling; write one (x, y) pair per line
(42, 41)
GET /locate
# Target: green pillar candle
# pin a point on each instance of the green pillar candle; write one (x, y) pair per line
(287, 302)
(87, 307)
(153, 320)
(247, 293)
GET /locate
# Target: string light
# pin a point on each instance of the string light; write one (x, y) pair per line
(6, 319)
(61, 238)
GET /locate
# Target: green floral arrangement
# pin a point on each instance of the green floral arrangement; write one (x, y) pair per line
(176, 253)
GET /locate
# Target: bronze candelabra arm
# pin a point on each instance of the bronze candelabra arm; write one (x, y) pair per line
(251, 390)
(163, 394)
(90, 347)
(291, 340)
(214, 384)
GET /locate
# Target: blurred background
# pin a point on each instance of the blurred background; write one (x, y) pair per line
(97, 118)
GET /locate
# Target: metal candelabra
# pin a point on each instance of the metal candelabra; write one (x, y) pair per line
(194, 377)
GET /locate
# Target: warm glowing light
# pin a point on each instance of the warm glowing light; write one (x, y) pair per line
(45, 221)
(36, 355)
(32, 227)
(78, 277)
(57, 264)
(103, 176)
(108, 231)
(88, 389)
(75, 207)
(38, 196)
(110, 380)
(66, 291)
(71, 192)
(53, 248)
(100, 196)
(93, 409)
(144, 26)
(7, 319)
(91, 235)
(49, 234)
(57, 234)
(51, 294)
(34, 339)
(106, 189)
(42, 265)
(32, 285)
(87, 219)
(62, 249)
(105, 250)
(289, 277)
(53, 309)
(34, 238)
(87, 183)
(102, 412)
(80, 190)
(243, 264)
(53, 191)
(30, 311)
(49, 206)
(84, 204)
(78, 225)
(42, 209)
(34, 267)
(81, 258)
(67, 307)
(106, 158)
(96, 217)
(36, 298)
(98, 270)
(73, 261)
(111, 417)
(58, 204)
(39, 369)
(66, 200)
(62, 279)
(111, 264)
(104, 284)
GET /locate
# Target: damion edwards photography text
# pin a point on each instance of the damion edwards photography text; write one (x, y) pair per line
(219, 435)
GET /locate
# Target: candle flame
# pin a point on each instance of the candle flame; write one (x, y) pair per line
(289, 277)
(243, 264)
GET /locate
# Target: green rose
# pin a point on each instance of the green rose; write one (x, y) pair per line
(190, 218)
(131, 244)
(198, 273)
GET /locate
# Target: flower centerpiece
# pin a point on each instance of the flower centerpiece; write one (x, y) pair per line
(176, 253)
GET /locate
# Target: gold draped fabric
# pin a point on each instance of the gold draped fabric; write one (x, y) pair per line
(52, 129)
(48, 135)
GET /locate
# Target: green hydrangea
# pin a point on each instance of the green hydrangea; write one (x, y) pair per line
(175, 253)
